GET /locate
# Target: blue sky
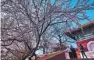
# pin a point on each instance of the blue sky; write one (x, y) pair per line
(89, 13)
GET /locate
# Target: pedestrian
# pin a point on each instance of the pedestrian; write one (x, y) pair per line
(74, 55)
(29, 58)
(82, 51)
(69, 51)
(33, 54)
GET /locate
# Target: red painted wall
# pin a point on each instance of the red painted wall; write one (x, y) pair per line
(84, 43)
(59, 57)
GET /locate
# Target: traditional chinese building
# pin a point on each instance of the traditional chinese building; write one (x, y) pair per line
(84, 35)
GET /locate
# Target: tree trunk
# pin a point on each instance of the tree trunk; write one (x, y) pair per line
(60, 42)
(44, 50)
(33, 52)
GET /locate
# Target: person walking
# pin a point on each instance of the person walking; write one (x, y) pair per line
(29, 58)
(33, 54)
(69, 51)
(74, 55)
(82, 51)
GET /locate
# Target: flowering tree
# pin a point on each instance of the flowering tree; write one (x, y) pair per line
(25, 21)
